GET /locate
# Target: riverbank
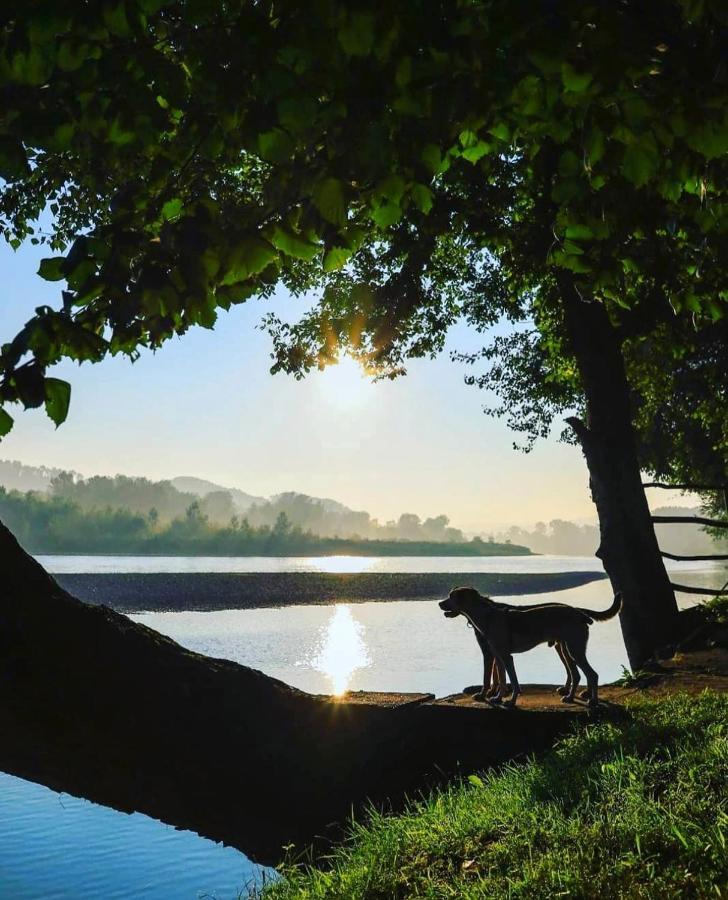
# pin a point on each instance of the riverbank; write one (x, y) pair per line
(211, 591)
(636, 807)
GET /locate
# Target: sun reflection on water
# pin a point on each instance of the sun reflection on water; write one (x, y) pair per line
(342, 650)
(343, 564)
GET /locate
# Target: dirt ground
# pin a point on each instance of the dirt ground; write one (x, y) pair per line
(691, 672)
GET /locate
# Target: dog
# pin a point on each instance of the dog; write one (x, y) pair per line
(515, 629)
(491, 681)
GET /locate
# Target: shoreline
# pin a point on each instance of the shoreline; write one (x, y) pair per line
(212, 591)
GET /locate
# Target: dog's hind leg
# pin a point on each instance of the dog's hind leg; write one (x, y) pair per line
(571, 671)
(577, 650)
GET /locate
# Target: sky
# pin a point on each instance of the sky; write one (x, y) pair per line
(206, 405)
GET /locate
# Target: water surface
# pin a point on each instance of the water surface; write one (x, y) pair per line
(55, 846)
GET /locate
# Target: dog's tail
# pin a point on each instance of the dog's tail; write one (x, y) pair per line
(608, 613)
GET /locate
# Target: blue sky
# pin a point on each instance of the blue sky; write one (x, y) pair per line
(206, 405)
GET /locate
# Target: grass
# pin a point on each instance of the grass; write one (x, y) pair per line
(637, 808)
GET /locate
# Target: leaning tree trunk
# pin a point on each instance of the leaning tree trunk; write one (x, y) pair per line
(628, 547)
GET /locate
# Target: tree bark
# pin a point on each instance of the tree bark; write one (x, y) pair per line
(628, 547)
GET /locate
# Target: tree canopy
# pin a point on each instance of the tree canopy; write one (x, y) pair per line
(412, 163)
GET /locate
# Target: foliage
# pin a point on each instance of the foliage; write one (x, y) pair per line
(135, 495)
(717, 609)
(194, 155)
(60, 525)
(635, 809)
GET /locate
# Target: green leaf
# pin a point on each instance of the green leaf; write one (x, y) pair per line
(13, 160)
(569, 163)
(594, 145)
(573, 80)
(335, 258)
(329, 199)
(572, 249)
(6, 422)
(62, 137)
(640, 161)
(477, 151)
(357, 35)
(71, 55)
(501, 131)
(391, 188)
(293, 245)
(432, 158)
(579, 232)
(709, 139)
(386, 214)
(57, 399)
(172, 208)
(467, 139)
(52, 268)
(248, 257)
(275, 145)
(403, 74)
(115, 20)
(421, 197)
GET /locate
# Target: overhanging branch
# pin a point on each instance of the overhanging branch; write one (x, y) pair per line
(685, 487)
(686, 589)
(680, 558)
(696, 520)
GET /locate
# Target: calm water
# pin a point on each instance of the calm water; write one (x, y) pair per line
(56, 846)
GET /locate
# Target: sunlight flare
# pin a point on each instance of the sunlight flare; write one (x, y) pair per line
(342, 650)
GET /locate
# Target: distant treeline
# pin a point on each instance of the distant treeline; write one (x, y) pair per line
(170, 499)
(55, 524)
(569, 539)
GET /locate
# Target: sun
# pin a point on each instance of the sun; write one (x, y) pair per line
(344, 386)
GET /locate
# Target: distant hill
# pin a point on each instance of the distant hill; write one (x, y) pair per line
(18, 477)
(187, 484)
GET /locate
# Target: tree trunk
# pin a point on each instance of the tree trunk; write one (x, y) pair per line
(628, 548)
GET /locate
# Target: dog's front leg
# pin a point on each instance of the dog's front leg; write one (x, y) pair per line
(496, 695)
(489, 668)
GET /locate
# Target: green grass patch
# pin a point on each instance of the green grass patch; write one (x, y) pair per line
(636, 808)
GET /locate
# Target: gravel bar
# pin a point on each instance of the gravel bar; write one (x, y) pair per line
(207, 591)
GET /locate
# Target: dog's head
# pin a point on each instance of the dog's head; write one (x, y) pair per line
(452, 605)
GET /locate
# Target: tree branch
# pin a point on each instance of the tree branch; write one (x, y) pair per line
(685, 487)
(697, 520)
(686, 589)
(716, 557)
